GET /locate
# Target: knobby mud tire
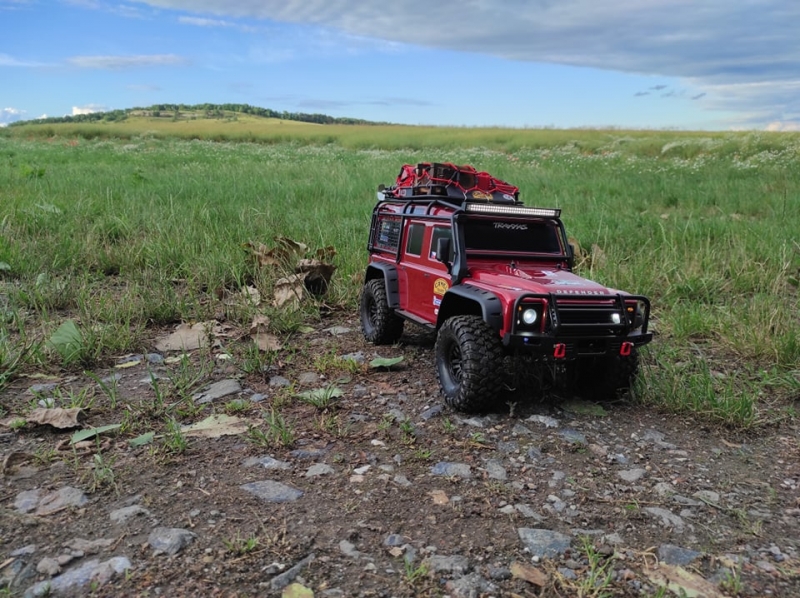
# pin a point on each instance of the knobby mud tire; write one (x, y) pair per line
(469, 360)
(381, 326)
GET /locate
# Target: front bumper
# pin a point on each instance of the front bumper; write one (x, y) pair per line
(572, 347)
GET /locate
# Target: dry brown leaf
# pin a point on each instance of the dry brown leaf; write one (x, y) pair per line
(186, 338)
(682, 582)
(264, 256)
(264, 339)
(63, 419)
(290, 246)
(317, 275)
(14, 459)
(529, 573)
(439, 497)
(289, 289)
(217, 425)
(326, 254)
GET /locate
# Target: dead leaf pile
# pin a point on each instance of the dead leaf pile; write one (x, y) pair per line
(309, 274)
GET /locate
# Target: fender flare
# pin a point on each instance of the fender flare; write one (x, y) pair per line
(389, 275)
(467, 299)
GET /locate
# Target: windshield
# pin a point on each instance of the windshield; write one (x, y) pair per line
(512, 236)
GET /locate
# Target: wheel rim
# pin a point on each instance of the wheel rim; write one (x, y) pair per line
(372, 312)
(454, 363)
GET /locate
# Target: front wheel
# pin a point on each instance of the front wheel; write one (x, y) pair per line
(468, 360)
(380, 324)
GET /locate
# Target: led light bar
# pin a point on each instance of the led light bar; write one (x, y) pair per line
(487, 208)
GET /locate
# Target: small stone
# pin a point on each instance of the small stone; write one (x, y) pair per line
(217, 390)
(546, 421)
(123, 515)
(257, 397)
(668, 519)
(338, 330)
(24, 551)
(357, 357)
(632, 475)
(573, 436)
(448, 564)
(279, 382)
(307, 378)
(272, 492)
(459, 470)
(79, 545)
(349, 549)
(431, 412)
(495, 470)
(266, 462)
(26, 501)
(362, 470)
(707, 496)
(394, 540)
(61, 499)
(169, 540)
(401, 480)
(49, 567)
(675, 555)
(544, 543)
(154, 358)
(65, 559)
(319, 469)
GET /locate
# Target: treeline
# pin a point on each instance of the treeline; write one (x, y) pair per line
(204, 110)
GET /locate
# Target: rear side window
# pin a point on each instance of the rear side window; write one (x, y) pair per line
(415, 234)
(388, 234)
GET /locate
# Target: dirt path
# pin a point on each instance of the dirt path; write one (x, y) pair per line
(387, 493)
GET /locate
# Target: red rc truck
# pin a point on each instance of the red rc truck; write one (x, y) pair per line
(454, 250)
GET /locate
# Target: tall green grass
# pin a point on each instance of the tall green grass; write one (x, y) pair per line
(124, 229)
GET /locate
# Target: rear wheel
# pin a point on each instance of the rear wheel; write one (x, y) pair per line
(468, 360)
(380, 324)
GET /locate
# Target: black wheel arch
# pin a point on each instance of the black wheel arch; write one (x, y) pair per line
(471, 301)
(389, 275)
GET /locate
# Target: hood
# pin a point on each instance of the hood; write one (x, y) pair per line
(529, 278)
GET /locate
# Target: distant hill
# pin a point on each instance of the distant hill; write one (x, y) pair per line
(178, 112)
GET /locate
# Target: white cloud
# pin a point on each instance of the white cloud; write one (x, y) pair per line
(709, 43)
(88, 109)
(203, 22)
(10, 115)
(126, 62)
(6, 60)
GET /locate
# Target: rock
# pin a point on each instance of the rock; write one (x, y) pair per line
(357, 357)
(394, 540)
(431, 412)
(495, 470)
(469, 586)
(675, 555)
(319, 469)
(279, 382)
(349, 549)
(520, 430)
(123, 515)
(266, 462)
(62, 498)
(169, 540)
(309, 453)
(459, 470)
(546, 421)
(307, 378)
(664, 489)
(632, 475)
(573, 436)
(273, 492)
(544, 543)
(42, 389)
(24, 551)
(49, 567)
(527, 512)
(217, 390)
(94, 571)
(401, 480)
(338, 330)
(667, 518)
(284, 579)
(456, 564)
(26, 501)
(257, 397)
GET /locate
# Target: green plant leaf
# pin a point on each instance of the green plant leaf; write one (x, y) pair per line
(142, 439)
(385, 362)
(81, 435)
(319, 394)
(4, 267)
(67, 340)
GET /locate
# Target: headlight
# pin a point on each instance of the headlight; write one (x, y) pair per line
(529, 316)
(615, 319)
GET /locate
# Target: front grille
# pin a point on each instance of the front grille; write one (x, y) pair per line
(586, 318)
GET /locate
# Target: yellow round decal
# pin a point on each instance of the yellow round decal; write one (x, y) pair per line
(440, 286)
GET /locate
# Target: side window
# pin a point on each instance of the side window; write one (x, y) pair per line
(388, 234)
(440, 232)
(415, 234)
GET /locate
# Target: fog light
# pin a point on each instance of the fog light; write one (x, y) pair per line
(529, 316)
(615, 318)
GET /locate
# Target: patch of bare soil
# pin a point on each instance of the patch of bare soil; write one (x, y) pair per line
(383, 491)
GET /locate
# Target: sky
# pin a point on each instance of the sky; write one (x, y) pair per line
(640, 64)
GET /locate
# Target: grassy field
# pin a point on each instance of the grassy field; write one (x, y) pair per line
(125, 227)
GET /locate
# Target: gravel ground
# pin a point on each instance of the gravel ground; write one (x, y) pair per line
(386, 492)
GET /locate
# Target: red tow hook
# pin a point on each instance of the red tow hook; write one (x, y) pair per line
(625, 349)
(559, 350)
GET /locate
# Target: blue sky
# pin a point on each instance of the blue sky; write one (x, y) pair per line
(683, 64)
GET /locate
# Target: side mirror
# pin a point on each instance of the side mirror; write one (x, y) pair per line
(443, 250)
